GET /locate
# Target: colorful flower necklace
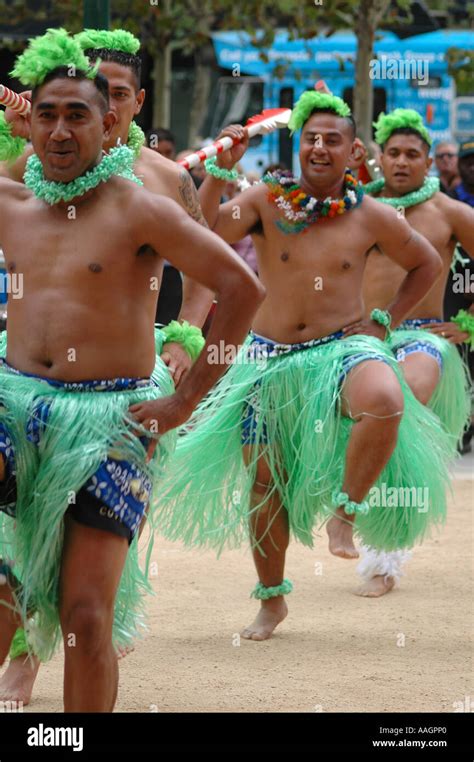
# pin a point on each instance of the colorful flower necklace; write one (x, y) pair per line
(427, 190)
(119, 161)
(302, 210)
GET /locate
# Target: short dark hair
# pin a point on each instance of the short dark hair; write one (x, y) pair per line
(349, 118)
(64, 72)
(129, 60)
(161, 133)
(407, 131)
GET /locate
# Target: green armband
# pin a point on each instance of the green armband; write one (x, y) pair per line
(189, 336)
(210, 165)
(10, 148)
(383, 318)
(465, 321)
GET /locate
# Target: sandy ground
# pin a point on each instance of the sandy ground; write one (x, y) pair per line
(408, 651)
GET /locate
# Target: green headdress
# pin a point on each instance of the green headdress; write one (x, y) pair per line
(312, 99)
(397, 119)
(48, 52)
(118, 39)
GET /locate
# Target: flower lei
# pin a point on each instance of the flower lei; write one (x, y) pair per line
(302, 210)
(119, 161)
(427, 190)
(136, 139)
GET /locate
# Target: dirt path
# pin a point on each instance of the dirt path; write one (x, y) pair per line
(335, 652)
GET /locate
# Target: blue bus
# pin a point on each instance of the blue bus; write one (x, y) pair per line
(253, 84)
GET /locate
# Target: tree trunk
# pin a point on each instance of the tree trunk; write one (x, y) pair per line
(162, 88)
(202, 88)
(369, 15)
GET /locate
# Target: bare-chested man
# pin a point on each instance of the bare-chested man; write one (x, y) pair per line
(88, 314)
(304, 460)
(121, 65)
(430, 363)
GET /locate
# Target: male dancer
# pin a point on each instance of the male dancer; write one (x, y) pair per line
(121, 65)
(423, 343)
(283, 396)
(50, 353)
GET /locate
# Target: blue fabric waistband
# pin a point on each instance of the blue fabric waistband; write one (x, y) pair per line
(275, 348)
(93, 385)
(413, 323)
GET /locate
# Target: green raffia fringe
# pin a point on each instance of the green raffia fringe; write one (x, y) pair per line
(189, 336)
(19, 644)
(48, 52)
(465, 321)
(119, 161)
(350, 506)
(263, 593)
(10, 148)
(206, 496)
(450, 401)
(383, 318)
(82, 428)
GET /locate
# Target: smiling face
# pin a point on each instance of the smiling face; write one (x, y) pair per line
(69, 122)
(405, 163)
(126, 100)
(326, 146)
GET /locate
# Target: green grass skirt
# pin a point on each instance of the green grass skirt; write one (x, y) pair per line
(205, 500)
(82, 427)
(451, 398)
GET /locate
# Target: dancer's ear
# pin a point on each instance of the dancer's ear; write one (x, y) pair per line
(429, 162)
(140, 97)
(108, 121)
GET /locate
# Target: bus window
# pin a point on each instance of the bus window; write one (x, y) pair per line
(380, 100)
(236, 99)
(285, 140)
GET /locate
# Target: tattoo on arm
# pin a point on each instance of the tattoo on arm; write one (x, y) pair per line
(189, 198)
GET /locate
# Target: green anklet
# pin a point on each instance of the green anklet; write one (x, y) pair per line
(263, 593)
(350, 506)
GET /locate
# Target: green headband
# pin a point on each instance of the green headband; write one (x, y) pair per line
(118, 39)
(397, 119)
(48, 52)
(312, 99)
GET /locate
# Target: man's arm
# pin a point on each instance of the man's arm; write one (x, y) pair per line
(197, 299)
(461, 217)
(411, 251)
(235, 219)
(16, 169)
(204, 257)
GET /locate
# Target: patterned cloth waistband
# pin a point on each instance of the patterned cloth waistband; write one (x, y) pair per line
(95, 385)
(414, 323)
(261, 345)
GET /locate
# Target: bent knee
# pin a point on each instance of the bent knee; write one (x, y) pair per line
(86, 625)
(383, 399)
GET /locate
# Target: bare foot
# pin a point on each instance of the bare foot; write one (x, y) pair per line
(123, 651)
(339, 529)
(376, 586)
(271, 613)
(16, 684)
